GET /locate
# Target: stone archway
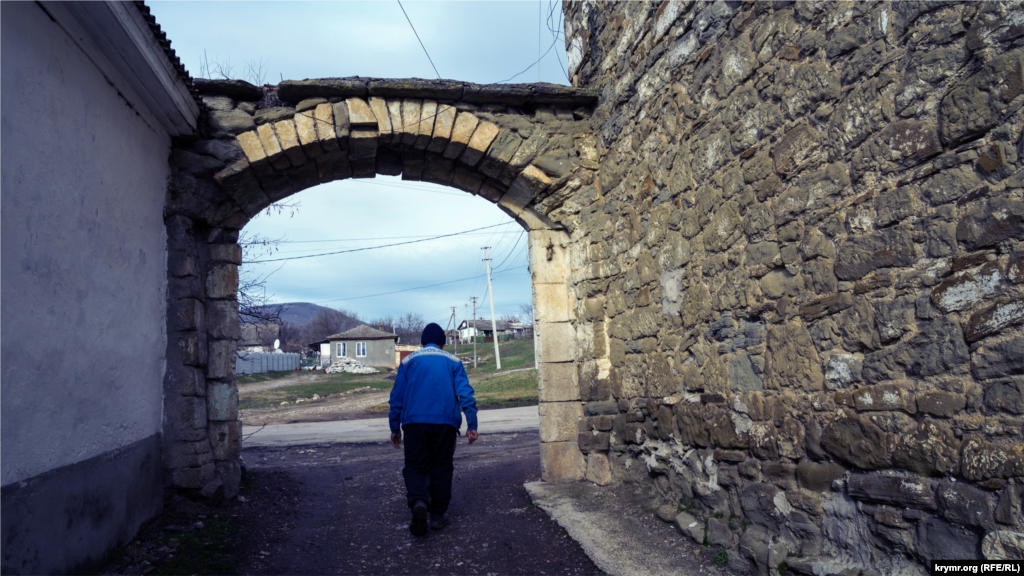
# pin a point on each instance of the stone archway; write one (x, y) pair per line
(525, 148)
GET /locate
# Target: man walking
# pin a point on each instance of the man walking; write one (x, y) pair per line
(430, 392)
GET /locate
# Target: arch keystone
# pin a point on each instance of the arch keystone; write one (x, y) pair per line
(410, 120)
(360, 115)
(379, 107)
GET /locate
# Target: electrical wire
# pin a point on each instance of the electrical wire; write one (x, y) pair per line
(418, 38)
(369, 247)
(405, 289)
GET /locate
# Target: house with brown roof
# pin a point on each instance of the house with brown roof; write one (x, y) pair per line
(369, 346)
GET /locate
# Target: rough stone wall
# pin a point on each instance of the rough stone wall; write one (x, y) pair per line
(798, 274)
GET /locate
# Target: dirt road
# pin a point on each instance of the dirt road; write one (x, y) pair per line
(341, 509)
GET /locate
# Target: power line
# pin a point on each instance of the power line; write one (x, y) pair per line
(407, 289)
(369, 247)
(418, 38)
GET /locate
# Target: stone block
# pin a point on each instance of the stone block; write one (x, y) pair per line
(1005, 396)
(254, 153)
(549, 257)
(551, 302)
(362, 144)
(462, 131)
(964, 504)
(500, 153)
(940, 403)
(272, 147)
(529, 184)
(467, 179)
(993, 318)
(187, 455)
(558, 421)
(557, 342)
(230, 253)
(221, 360)
(818, 477)
(691, 527)
(222, 281)
(443, 124)
(342, 129)
(193, 349)
(599, 470)
(884, 397)
(558, 382)
(231, 121)
(333, 167)
(230, 474)
(305, 128)
(395, 116)
(185, 413)
(982, 459)
(222, 400)
(412, 164)
(904, 491)
(222, 320)
(379, 107)
(484, 134)
(857, 441)
(561, 462)
(325, 128)
(193, 477)
(425, 129)
(188, 314)
(288, 137)
(185, 381)
(438, 170)
(225, 439)
(410, 127)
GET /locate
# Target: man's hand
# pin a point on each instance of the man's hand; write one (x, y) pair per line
(472, 435)
(396, 439)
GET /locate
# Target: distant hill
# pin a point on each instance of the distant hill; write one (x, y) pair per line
(299, 313)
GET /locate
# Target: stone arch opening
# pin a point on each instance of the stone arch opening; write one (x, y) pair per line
(520, 147)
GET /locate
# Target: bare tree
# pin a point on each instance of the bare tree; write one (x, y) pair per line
(526, 313)
(255, 71)
(329, 321)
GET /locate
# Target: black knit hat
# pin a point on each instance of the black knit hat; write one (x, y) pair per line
(433, 334)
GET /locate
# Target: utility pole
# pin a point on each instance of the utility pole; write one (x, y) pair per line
(473, 298)
(466, 308)
(455, 330)
(494, 324)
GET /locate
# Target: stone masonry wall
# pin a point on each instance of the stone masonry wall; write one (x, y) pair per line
(798, 274)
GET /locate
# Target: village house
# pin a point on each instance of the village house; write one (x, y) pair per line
(481, 327)
(368, 346)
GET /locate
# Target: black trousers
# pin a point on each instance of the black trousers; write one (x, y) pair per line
(429, 453)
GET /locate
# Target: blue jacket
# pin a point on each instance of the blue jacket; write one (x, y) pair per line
(430, 388)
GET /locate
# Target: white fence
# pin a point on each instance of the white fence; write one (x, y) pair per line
(259, 362)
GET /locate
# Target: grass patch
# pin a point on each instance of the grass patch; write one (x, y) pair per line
(264, 377)
(334, 384)
(204, 551)
(501, 391)
(514, 354)
(507, 390)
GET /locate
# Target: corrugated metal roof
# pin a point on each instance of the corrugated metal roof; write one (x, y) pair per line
(165, 43)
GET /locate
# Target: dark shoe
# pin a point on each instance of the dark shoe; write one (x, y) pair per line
(438, 521)
(418, 527)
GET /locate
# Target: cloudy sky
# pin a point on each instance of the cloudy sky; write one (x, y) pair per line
(481, 42)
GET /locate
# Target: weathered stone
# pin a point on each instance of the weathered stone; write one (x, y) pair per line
(272, 114)
(1005, 396)
(1003, 358)
(964, 504)
(478, 144)
(930, 450)
(222, 281)
(857, 442)
(742, 375)
(793, 361)
(689, 526)
(230, 122)
(966, 288)
(861, 254)
(883, 397)
(558, 421)
(222, 400)
(561, 462)
(598, 469)
(941, 404)
(940, 540)
(1003, 545)
(896, 490)
(991, 223)
(462, 131)
(841, 370)
(818, 477)
(937, 349)
(765, 505)
(225, 440)
(998, 458)
(222, 319)
(993, 318)
(977, 105)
